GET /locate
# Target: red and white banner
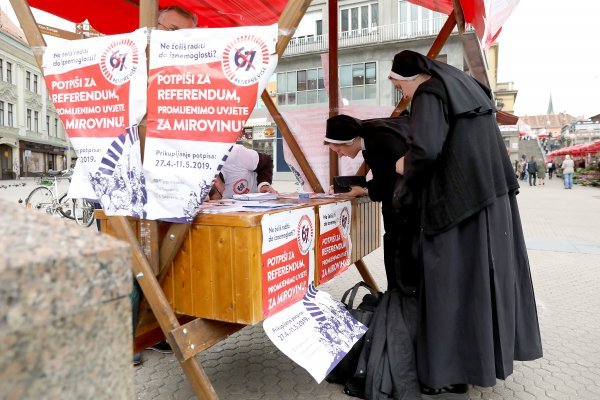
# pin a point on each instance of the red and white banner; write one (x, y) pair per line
(334, 246)
(203, 86)
(287, 258)
(98, 87)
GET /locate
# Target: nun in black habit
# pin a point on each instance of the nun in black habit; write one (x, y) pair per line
(477, 306)
(382, 142)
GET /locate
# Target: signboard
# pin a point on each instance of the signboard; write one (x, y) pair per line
(316, 333)
(287, 257)
(98, 87)
(203, 86)
(334, 246)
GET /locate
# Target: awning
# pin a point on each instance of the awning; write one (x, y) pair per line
(258, 122)
(120, 16)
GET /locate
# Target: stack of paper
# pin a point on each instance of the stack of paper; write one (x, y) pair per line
(255, 196)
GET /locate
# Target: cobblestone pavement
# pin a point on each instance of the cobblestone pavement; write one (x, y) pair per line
(562, 229)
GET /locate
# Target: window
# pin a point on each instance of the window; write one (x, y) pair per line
(319, 27)
(416, 20)
(28, 119)
(28, 80)
(359, 20)
(36, 117)
(358, 81)
(8, 72)
(35, 83)
(56, 127)
(1, 113)
(301, 87)
(48, 124)
(10, 115)
(1, 70)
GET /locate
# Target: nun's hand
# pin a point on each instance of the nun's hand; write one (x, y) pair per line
(400, 166)
(357, 191)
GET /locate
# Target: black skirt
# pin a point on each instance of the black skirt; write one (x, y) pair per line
(477, 307)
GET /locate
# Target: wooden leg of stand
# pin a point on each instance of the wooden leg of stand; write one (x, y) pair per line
(365, 274)
(161, 307)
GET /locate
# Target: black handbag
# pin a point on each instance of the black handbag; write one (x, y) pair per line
(342, 184)
(363, 313)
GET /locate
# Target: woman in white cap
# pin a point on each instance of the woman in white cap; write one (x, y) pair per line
(477, 306)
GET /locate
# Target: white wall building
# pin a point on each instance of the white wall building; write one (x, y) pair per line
(32, 137)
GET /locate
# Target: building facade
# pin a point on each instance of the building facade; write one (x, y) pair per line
(32, 137)
(369, 34)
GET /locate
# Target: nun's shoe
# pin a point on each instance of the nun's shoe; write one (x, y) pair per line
(452, 392)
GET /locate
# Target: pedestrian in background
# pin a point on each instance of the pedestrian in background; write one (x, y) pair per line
(568, 168)
(532, 170)
(541, 173)
(551, 168)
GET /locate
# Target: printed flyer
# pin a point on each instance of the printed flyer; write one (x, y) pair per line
(316, 333)
(287, 258)
(203, 86)
(98, 87)
(334, 246)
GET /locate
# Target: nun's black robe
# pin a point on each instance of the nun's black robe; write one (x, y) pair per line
(385, 142)
(477, 307)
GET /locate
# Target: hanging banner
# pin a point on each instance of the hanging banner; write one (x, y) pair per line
(203, 86)
(334, 246)
(287, 257)
(316, 333)
(98, 87)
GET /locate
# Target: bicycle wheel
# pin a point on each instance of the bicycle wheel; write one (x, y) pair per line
(83, 212)
(66, 206)
(40, 198)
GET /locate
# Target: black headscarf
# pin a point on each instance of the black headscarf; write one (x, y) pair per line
(464, 93)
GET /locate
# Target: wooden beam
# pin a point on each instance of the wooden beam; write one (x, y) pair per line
(199, 334)
(30, 28)
(365, 274)
(334, 100)
(288, 22)
(459, 16)
(160, 306)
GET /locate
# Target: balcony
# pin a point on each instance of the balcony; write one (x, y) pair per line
(367, 36)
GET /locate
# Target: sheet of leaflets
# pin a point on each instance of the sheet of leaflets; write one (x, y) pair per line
(316, 333)
(334, 243)
(203, 85)
(98, 87)
(287, 257)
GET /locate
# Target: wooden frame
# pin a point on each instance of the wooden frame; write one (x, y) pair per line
(151, 258)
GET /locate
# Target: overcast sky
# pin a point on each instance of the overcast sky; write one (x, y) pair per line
(546, 47)
(552, 46)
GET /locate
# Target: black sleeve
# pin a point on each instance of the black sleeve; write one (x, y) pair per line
(429, 128)
(264, 168)
(384, 150)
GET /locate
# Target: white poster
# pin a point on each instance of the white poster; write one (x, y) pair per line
(334, 244)
(288, 257)
(203, 86)
(316, 333)
(98, 87)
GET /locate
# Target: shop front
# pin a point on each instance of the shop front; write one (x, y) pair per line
(6, 162)
(37, 158)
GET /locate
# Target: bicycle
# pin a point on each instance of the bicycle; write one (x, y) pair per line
(45, 198)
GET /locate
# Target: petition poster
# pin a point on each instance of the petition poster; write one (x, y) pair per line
(334, 246)
(203, 85)
(316, 333)
(287, 257)
(98, 87)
